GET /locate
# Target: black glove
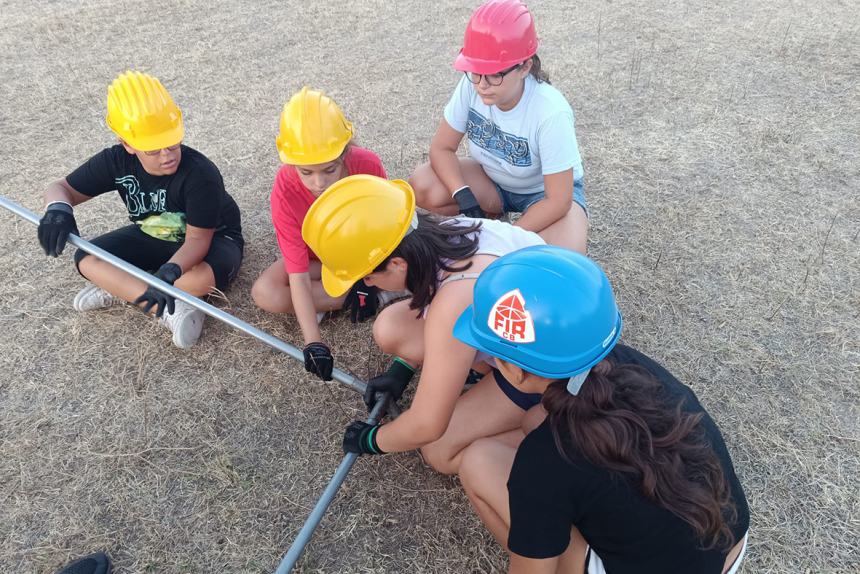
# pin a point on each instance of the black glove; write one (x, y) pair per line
(169, 272)
(361, 302)
(318, 360)
(55, 226)
(469, 206)
(393, 381)
(360, 438)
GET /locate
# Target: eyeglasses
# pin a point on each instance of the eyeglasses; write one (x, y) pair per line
(158, 151)
(492, 79)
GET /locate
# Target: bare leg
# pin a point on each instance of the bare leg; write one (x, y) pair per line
(271, 290)
(432, 195)
(483, 411)
(571, 231)
(399, 331)
(484, 473)
(198, 281)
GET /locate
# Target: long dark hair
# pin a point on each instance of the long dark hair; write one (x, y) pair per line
(431, 248)
(622, 421)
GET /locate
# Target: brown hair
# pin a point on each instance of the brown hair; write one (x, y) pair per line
(433, 247)
(622, 421)
(537, 71)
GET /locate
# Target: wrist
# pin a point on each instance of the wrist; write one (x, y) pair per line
(59, 205)
(401, 370)
(169, 272)
(369, 443)
(466, 200)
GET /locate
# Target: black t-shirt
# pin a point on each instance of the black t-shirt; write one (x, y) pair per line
(196, 190)
(547, 495)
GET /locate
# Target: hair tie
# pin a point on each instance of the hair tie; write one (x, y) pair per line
(575, 382)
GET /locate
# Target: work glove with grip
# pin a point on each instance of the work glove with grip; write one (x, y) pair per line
(318, 360)
(154, 297)
(55, 227)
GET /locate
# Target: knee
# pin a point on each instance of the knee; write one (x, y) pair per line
(425, 182)
(263, 293)
(385, 334)
(440, 458)
(84, 262)
(474, 462)
(470, 465)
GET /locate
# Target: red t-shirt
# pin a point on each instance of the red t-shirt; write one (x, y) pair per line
(291, 200)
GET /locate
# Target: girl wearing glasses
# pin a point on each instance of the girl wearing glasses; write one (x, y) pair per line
(315, 145)
(520, 130)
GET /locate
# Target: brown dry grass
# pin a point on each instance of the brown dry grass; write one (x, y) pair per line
(721, 148)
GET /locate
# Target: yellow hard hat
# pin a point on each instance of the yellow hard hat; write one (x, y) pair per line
(355, 224)
(313, 129)
(142, 113)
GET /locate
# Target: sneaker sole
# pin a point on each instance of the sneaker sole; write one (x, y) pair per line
(189, 331)
(85, 293)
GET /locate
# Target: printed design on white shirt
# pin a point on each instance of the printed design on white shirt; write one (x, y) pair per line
(138, 201)
(487, 135)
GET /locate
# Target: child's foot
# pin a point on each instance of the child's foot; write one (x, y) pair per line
(185, 323)
(94, 297)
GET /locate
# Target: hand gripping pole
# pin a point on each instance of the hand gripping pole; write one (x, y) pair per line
(338, 375)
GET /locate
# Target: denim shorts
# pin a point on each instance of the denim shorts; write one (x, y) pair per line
(523, 400)
(520, 202)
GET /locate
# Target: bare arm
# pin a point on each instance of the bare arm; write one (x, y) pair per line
(60, 190)
(523, 565)
(194, 249)
(533, 419)
(443, 156)
(303, 304)
(446, 363)
(556, 203)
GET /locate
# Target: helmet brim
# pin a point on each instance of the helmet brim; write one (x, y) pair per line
(162, 140)
(333, 285)
(464, 63)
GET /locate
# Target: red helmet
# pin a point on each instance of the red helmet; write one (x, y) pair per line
(500, 34)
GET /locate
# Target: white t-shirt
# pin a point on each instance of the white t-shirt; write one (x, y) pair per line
(518, 147)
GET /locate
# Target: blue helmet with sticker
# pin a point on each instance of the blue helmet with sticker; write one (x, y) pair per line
(546, 309)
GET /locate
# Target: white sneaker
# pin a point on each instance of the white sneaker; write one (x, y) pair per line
(386, 297)
(94, 297)
(320, 317)
(185, 323)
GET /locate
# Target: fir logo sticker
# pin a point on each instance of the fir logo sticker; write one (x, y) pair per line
(509, 319)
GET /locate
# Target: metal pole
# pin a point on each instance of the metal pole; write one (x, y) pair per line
(298, 546)
(338, 375)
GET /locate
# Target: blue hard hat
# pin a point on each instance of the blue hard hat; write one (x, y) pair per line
(546, 309)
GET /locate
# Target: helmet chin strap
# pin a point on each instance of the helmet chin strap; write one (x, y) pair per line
(575, 382)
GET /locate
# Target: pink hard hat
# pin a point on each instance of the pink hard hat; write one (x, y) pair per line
(500, 34)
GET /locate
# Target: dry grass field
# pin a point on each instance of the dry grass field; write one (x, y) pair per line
(721, 144)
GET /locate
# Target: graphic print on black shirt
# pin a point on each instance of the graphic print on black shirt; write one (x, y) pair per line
(631, 534)
(162, 205)
(138, 203)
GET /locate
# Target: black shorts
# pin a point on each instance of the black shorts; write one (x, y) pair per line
(131, 244)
